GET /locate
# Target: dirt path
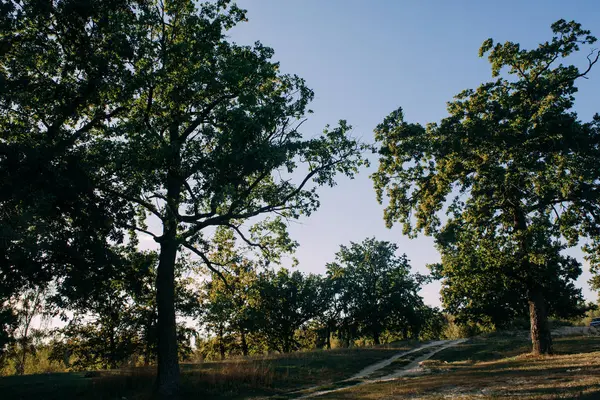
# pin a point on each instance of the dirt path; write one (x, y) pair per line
(414, 368)
(382, 364)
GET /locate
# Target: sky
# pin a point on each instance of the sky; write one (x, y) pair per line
(365, 58)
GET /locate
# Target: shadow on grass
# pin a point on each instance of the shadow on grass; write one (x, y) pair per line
(231, 379)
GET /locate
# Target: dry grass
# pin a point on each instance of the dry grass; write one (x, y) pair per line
(573, 373)
(240, 378)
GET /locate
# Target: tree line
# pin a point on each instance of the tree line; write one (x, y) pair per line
(138, 118)
(368, 293)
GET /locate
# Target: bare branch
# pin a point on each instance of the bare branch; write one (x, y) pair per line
(147, 232)
(248, 241)
(204, 114)
(590, 62)
(209, 264)
(145, 204)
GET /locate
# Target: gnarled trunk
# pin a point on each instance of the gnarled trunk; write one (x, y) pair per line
(541, 338)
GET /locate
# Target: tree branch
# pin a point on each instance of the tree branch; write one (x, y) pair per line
(248, 241)
(136, 200)
(209, 264)
(225, 218)
(204, 114)
(590, 62)
(147, 232)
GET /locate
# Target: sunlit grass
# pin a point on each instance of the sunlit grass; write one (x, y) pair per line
(237, 378)
(493, 368)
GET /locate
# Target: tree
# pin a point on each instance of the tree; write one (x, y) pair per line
(178, 124)
(212, 136)
(287, 302)
(231, 295)
(28, 305)
(481, 282)
(511, 163)
(116, 319)
(61, 63)
(376, 289)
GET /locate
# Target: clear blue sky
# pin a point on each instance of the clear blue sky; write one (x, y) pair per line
(365, 58)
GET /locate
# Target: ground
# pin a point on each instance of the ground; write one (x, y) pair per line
(256, 377)
(496, 366)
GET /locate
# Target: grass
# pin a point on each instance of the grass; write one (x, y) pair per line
(400, 363)
(497, 367)
(232, 379)
(483, 368)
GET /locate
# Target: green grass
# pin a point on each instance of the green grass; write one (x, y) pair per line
(494, 368)
(233, 379)
(485, 349)
(489, 367)
(401, 363)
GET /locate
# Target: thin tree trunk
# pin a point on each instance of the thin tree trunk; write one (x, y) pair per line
(376, 340)
(221, 344)
(541, 337)
(244, 343)
(167, 380)
(112, 364)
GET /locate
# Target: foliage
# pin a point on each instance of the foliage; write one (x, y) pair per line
(61, 63)
(287, 302)
(229, 297)
(116, 320)
(482, 282)
(512, 166)
(377, 292)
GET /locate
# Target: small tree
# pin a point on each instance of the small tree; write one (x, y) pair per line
(377, 290)
(29, 305)
(511, 163)
(229, 297)
(287, 302)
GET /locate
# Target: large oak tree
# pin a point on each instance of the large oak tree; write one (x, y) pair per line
(512, 164)
(175, 123)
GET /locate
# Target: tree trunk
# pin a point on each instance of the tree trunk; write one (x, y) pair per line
(221, 344)
(244, 343)
(376, 338)
(20, 364)
(286, 345)
(328, 338)
(112, 363)
(167, 380)
(541, 338)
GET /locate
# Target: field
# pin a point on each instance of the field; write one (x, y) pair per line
(235, 379)
(494, 368)
(489, 367)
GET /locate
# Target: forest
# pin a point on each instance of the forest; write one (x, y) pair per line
(131, 120)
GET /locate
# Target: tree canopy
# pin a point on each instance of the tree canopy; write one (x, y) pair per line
(512, 164)
(376, 289)
(177, 123)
